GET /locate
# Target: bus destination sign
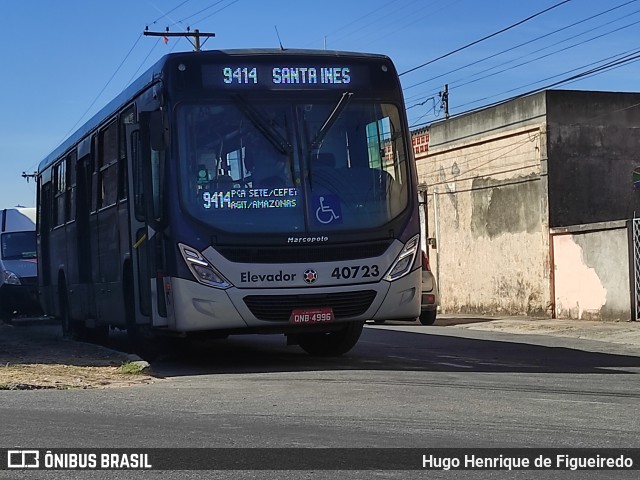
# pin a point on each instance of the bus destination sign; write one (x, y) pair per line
(278, 76)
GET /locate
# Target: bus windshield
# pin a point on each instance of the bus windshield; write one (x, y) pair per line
(18, 246)
(292, 167)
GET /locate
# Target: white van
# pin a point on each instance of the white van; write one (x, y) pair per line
(18, 263)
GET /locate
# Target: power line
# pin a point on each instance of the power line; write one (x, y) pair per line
(362, 17)
(385, 19)
(217, 11)
(456, 84)
(485, 38)
(166, 15)
(628, 58)
(103, 88)
(523, 44)
(622, 54)
(443, 180)
(198, 13)
(135, 74)
(196, 34)
(99, 93)
(435, 105)
(388, 25)
(492, 153)
(530, 166)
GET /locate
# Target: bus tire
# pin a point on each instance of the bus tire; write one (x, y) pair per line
(331, 344)
(99, 334)
(6, 312)
(6, 316)
(427, 317)
(70, 329)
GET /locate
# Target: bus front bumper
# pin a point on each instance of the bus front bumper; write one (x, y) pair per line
(196, 307)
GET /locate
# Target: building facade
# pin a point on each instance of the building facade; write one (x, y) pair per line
(529, 206)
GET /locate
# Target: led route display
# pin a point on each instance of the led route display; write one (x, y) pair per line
(252, 198)
(276, 76)
(243, 75)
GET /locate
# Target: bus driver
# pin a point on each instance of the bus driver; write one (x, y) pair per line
(268, 168)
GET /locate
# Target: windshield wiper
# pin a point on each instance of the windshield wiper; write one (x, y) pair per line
(331, 119)
(259, 122)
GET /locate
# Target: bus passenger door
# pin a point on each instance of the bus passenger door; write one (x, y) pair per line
(146, 242)
(108, 288)
(136, 280)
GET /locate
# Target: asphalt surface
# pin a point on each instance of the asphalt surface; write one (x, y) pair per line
(465, 382)
(623, 334)
(620, 333)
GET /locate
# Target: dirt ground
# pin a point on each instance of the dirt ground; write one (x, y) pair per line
(34, 355)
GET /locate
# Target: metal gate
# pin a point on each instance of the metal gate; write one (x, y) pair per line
(636, 268)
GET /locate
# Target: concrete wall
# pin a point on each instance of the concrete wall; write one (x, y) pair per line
(516, 196)
(592, 275)
(485, 178)
(593, 148)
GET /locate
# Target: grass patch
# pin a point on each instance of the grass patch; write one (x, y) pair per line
(133, 368)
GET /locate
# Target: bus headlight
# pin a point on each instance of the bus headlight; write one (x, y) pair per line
(201, 269)
(405, 260)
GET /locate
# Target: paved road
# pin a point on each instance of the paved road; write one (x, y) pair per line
(402, 386)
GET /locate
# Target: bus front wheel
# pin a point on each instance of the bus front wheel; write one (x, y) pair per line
(70, 329)
(330, 344)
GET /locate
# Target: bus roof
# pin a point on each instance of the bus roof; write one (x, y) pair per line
(154, 73)
(17, 219)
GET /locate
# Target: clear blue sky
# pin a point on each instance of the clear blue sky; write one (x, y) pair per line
(61, 61)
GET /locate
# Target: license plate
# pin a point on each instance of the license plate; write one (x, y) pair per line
(311, 315)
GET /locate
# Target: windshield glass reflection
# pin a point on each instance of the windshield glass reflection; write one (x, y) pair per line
(269, 167)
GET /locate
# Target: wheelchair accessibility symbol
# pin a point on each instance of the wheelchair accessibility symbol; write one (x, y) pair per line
(327, 209)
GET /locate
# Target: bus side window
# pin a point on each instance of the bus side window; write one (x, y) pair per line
(60, 179)
(138, 177)
(70, 203)
(127, 118)
(108, 167)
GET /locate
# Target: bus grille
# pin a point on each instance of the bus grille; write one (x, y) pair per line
(277, 308)
(303, 253)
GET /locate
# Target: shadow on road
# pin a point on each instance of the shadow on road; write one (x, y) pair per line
(433, 349)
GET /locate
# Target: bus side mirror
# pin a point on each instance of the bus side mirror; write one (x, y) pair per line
(157, 131)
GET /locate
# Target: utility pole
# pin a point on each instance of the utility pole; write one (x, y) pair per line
(28, 176)
(445, 100)
(196, 34)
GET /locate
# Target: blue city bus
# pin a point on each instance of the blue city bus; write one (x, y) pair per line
(237, 191)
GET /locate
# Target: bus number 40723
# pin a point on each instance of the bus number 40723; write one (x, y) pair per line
(358, 271)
